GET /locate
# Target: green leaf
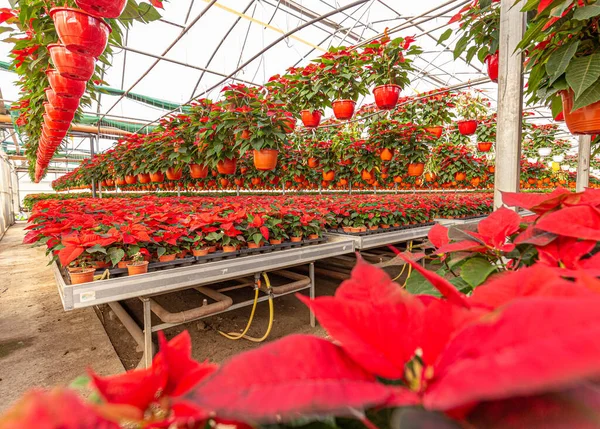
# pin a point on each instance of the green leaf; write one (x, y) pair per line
(591, 95)
(476, 270)
(460, 47)
(587, 12)
(445, 35)
(582, 73)
(560, 60)
(418, 285)
(485, 3)
(80, 382)
(161, 251)
(96, 248)
(115, 255)
(148, 13)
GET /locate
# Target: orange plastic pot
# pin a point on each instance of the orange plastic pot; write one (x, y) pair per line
(245, 135)
(110, 182)
(198, 171)
(55, 125)
(130, 180)
(224, 182)
(137, 268)
(174, 173)
(71, 64)
(484, 146)
(289, 124)
(343, 182)
(492, 66)
(62, 103)
(386, 154)
(467, 128)
(121, 181)
(64, 86)
(256, 181)
(239, 182)
(58, 114)
(367, 175)
(227, 166)
(82, 275)
(103, 8)
(430, 177)
(310, 118)
(435, 131)
(585, 120)
(343, 109)
(313, 162)
(80, 31)
(329, 175)
(460, 176)
(386, 96)
(157, 177)
(416, 169)
(492, 168)
(143, 178)
(167, 258)
(265, 159)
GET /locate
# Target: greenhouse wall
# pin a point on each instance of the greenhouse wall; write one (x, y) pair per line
(9, 194)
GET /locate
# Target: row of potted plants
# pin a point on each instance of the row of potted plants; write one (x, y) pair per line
(86, 234)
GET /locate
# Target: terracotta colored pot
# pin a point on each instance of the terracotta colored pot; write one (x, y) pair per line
(265, 159)
(227, 166)
(173, 173)
(229, 249)
(374, 228)
(256, 181)
(329, 175)
(224, 182)
(343, 109)
(492, 66)
(289, 124)
(103, 8)
(386, 96)
(311, 119)
(198, 171)
(157, 177)
(467, 128)
(367, 175)
(100, 264)
(71, 64)
(460, 176)
(121, 181)
(384, 226)
(484, 146)
(110, 182)
(200, 252)
(430, 177)
(253, 245)
(386, 154)
(80, 31)
(475, 182)
(167, 258)
(581, 121)
(397, 179)
(435, 131)
(313, 162)
(275, 241)
(343, 182)
(64, 86)
(313, 236)
(416, 169)
(81, 275)
(143, 178)
(130, 180)
(137, 268)
(58, 114)
(62, 103)
(296, 239)
(239, 182)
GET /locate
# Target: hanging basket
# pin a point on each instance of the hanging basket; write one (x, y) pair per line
(467, 128)
(157, 177)
(59, 114)
(71, 64)
(80, 31)
(143, 178)
(103, 8)
(343, 109)
(265, 159)
(227, 166)
(436, 131)
(484, 146)
(386, 96)
(585, 120)
(130, 179)
(198, 171)
(416, 169)
(329, 176)
(174, 173)
(311, 119)
(492, 66)
(386, 154)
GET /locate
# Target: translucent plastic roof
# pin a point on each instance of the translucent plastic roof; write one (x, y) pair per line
(222, 35)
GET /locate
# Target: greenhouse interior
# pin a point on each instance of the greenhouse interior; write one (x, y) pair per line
(319, 214)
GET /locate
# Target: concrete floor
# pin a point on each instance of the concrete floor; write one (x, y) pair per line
(41, 344)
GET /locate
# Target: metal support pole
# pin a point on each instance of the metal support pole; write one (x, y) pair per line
(148, 348)
(510, 100)
(311, 275)
(583, 163)
(92, 152)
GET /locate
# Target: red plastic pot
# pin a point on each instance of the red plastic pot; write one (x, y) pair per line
(227, 166)
(386, 96)
(198, 171)
(130, 180)
(103, 8)
(59, 114)
(71, 64)
(61, 103)
(328, 176)
(484, 146)
(467, 128)
(121, 181)
(52, 133)
(64, 86)
(80, 31)
(492, 66)
(173, 173)
(311, 119)
(581, 121)
(416, 169)
(386, 154)
(55, 125)
(343, 109)
(265, 159)
(157, 177)
(435, 131)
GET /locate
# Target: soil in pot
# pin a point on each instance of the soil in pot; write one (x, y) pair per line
(81, 275)
(137, 268)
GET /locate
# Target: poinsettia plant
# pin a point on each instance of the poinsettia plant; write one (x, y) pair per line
(435, 108)
(342, 78)
(389, 60)
(471, 106)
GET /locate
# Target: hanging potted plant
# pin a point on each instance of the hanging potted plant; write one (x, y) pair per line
(388, 63)
(413, 149)
(80, 31)
(486, 134)
(479, 27)
(385, 135)
(434, 110)
(470, 108)
(562, 48)
(103, 8)
(218, 134)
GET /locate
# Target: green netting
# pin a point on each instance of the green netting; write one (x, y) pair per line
(4, 65)
(155, 102)
(125, 126)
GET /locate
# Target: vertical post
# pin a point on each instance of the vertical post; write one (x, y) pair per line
(148, 352)
(92, 152)
(583, 163)
(311, 275)
(510, 100)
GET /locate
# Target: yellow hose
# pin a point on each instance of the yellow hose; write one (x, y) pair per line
(234, 336)
(410, 243)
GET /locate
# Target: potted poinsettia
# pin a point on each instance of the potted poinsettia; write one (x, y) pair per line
(221, 148)
(277, 232)
(413, 149)
(434, 111)
(562, 48)
(479, 27)
(486, 133)
(389, 61)
(470, 108)
(137, 265)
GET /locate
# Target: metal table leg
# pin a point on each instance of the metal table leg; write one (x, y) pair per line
(311, 275)
(148, 352)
